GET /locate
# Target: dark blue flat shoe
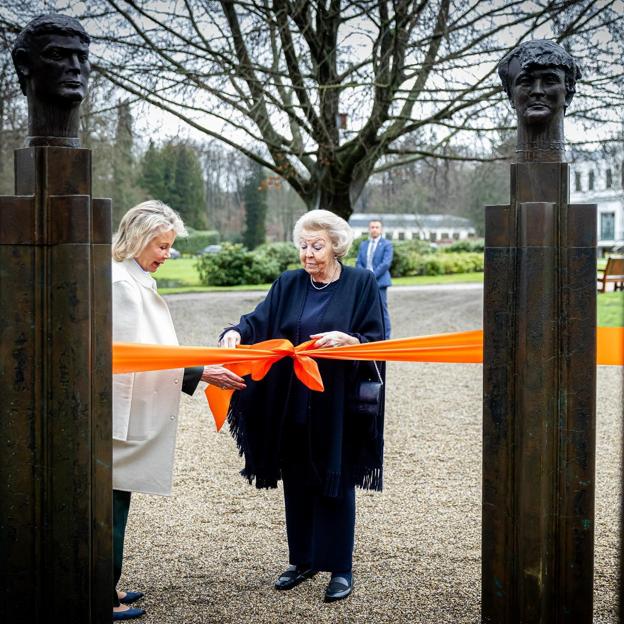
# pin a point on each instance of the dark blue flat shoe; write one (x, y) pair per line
(339, 588)
(130, 614)
(293, 576)
(131, 597)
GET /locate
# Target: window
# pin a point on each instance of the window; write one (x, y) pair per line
(609, 181)
(433, 237)
(445, 236)
(455, 235)
(416, 235)
(577, 181)
(607, 226)
(401, 235)
(590, 185)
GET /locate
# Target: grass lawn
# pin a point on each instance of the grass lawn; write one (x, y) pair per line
(177, 276)
(180, 276)
(611, 309)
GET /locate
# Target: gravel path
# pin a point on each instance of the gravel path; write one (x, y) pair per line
(211, 552)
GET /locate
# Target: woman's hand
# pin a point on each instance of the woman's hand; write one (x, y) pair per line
(325, 340)
(222, 377)
(230, 340)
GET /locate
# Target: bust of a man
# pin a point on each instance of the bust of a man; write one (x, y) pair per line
(539, 78)
(51, 58)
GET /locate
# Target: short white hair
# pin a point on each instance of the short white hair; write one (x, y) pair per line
(139, 226)
(339, 232)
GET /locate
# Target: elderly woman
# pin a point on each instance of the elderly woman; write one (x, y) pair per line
(145, 405)
(313, 441)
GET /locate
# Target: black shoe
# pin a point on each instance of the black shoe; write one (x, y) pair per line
(338, 589)
(293, 576)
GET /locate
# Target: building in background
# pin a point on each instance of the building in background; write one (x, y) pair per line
(430, 227)
(602, 182)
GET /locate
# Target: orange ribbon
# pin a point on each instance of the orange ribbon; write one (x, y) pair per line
(256, 360)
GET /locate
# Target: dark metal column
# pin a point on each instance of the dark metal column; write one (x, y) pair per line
(55, 461)
(539, 402)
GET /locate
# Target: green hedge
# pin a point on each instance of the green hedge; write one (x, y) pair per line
(408, 264)
(234, 266)
(285, 254)
(472, 244)
(406, 257)
(196, 240)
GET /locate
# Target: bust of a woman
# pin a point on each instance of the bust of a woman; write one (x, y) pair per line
(539, 78)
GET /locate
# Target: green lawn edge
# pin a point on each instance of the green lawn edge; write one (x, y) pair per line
(418, 280)
(610, 305)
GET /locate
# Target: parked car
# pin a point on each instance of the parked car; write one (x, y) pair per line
(174, 253)
(210, 249)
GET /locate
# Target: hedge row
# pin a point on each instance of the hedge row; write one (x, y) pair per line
(410, 264)
(192, 244)
(234, 265)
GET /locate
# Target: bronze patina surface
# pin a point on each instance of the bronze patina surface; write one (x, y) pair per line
(539, 365)
(55, 350)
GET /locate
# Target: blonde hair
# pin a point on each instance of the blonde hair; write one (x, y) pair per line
(338, 230)
(140, 224)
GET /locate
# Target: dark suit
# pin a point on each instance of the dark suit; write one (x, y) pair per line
(382, 260)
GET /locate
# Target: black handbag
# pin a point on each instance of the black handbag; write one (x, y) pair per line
(367, 396)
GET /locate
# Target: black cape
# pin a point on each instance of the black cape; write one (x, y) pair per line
(344, 448)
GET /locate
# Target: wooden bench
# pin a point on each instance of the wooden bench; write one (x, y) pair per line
(613, 272)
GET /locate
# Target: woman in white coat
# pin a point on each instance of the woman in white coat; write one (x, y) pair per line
(145, 405)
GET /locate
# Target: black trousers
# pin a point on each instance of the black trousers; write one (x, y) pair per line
(320, 530)
(121, 507)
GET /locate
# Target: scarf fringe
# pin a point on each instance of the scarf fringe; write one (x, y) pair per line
(236, 430)
(371, 479)
(366, 478)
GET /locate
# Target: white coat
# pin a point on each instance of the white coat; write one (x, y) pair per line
(145, 405)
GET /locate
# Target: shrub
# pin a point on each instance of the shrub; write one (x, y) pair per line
(226, 268)
(433, 265)
(355, 248)
(196, 241)
(261, 269)
(407, 257)
(459, 263)
(468, 245)
(285, 254)
(411, 263)
(234, 266)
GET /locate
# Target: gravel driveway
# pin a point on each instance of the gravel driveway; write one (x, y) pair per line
(211, 552)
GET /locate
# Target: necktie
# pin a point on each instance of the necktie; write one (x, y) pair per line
(371, 251)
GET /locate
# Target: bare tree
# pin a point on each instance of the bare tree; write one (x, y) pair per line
(12, 116)
(325, 93)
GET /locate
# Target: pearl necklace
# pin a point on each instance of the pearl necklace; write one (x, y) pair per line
(331, 281)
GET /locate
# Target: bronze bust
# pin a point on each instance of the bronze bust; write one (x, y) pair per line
(51, 58)
(539, 78)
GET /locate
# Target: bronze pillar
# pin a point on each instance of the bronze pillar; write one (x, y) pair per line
(55, 380)
(539, 368)
(55, 350)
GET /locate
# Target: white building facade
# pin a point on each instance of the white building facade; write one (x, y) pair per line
(432, 228)
(602, 183)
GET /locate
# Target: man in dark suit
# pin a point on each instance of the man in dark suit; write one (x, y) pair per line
(375, 254)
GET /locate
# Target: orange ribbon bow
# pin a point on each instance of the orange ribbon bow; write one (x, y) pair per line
(256, 360)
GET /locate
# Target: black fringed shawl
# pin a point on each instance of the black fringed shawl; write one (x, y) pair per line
(344, 448)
